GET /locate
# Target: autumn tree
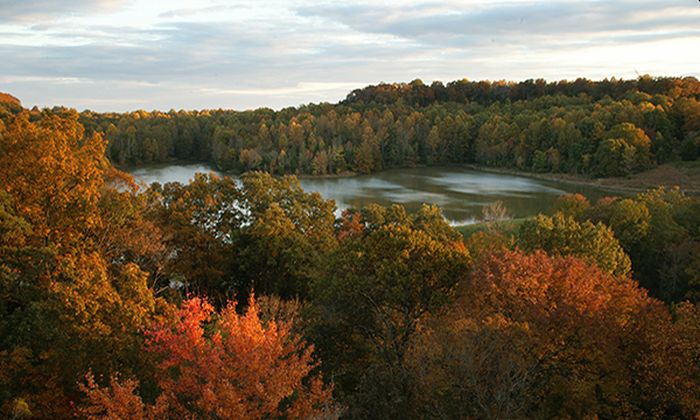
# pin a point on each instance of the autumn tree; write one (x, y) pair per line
(266, 233)
(86, 258)
(660, 349)
(572, 205)
(286, 232)
(658, 229)
(72, 296)
(494, 213)
(538, 336)
(200, 221)
(603, 128)
(220, 365)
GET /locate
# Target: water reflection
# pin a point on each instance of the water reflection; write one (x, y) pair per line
(460, 192)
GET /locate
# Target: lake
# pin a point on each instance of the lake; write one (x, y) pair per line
(460, 192)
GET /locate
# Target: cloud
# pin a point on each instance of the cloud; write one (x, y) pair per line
(517, 22)
(207, 53)
(299, 88)
(36, 10)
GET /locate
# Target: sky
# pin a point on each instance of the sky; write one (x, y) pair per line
(120, 55)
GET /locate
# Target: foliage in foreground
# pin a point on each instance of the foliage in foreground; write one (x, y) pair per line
(533, 336)
(72, 296)
(407, 318)
(369, 300)
(219, 365)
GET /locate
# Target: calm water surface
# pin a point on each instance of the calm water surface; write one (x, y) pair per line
(460, 192)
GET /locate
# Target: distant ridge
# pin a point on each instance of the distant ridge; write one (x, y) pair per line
(6, 97)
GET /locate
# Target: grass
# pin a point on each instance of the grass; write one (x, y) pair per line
(507, 227)
(686, 175)
(683, 174)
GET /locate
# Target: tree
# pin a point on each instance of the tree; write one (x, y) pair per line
(614, 157)
(369, 301)
(200, 221)
(656, 229)
(572, 205)
(436, 146)
(250, 159)
(233, 366)
(689, 148)
(494, 212)
(349, 225)
(71, 294)
(225, 239)
(661, 347)
(368, 158)
(605, 128)
(563, 235)
(637, 138)
(285, 234)
(532, 336)
(320, 163)
(629, 219)
(496, 139)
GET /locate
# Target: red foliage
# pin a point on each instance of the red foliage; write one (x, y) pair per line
(222, 365)
(351, 225)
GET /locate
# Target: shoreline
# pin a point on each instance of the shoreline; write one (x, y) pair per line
(129, 168)
(685, 175)
(554, 177)
(668, 175)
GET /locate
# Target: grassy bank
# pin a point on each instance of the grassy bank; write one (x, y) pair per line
(685, 175)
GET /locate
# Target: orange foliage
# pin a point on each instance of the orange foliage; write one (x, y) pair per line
(243, 368)
(571, 204)
(665, 361)
(119, 401)
(351, 225)
(55, 174)
(533, 335)
(542, 288)
(603, 201)
(71, 295)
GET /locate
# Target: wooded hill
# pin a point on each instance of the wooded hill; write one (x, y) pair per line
(596, 128)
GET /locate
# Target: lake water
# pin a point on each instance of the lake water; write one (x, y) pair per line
(460, 192)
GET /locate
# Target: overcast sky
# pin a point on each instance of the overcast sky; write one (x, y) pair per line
(117, 55)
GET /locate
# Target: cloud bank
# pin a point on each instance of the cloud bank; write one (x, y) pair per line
(116, 55)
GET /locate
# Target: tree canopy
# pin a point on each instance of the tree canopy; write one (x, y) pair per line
(119, 301)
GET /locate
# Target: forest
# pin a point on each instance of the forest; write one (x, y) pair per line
(599, 129)
(223, 299)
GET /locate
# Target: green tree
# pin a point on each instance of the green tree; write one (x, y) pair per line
(285, 234)
(200, 222)
(614, 157)
(367, 304)
(563, 235)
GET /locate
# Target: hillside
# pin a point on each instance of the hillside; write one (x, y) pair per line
(595, 129)
(6, 97)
